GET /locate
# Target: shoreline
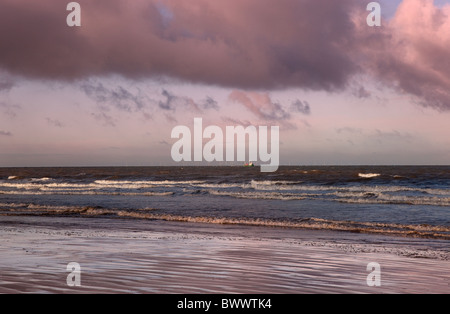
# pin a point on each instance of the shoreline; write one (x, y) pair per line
(132, 256)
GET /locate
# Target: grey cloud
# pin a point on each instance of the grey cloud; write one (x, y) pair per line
(349, 130)
(361, 92)
(170, 118)
(6, 85)
(391, 135)
(301, 106)
(210, 103)
(377, 136)
(276, 113)
(173, 102)
(236, 122)
(305, 123)
(168, 104)
(10, 110)
(260, 104)
(106, 119)
(246, 44)
(55, 123)
(242, 44)
(119, 97)
(284, 125)
(5, 133)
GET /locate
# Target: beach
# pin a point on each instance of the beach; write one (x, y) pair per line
(225, 147)
(208, 230)
(133, 256)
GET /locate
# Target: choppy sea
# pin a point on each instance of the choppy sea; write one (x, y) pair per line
(408, 201)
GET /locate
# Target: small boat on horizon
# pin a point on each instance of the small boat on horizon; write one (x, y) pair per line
(249, 164)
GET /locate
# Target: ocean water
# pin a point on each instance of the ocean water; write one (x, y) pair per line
(392, 200)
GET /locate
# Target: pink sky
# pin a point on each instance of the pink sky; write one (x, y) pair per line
(110, 92)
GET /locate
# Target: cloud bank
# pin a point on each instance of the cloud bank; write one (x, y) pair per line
(241, 44)
(414, 54)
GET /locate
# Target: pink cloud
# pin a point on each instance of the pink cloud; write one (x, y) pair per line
(414, 53)
(260, 104)
(237, 43)
(242, 44)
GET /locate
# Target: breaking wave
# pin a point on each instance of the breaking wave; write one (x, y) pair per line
(259, 195)
(419, 231)
(368, 175)
(253, 189)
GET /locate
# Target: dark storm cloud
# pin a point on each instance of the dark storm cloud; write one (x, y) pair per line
(243, 44)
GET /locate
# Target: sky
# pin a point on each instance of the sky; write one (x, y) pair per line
(109, 93)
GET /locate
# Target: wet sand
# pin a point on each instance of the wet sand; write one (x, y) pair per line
(116, 256)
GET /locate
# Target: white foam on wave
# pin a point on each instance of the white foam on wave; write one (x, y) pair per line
(361, 197)
(43, 185)
(352, 189)
(393, 199)
(421, 231)
(259, 195)
(45, 179)
(283, 186)
(265, 189)
(12, 205)
(145, 182)
(275, 182)
(368, 175)
(221, 185)
(86, 193)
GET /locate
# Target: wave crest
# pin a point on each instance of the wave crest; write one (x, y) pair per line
(419, 231)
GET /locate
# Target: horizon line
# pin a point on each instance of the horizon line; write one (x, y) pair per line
(240, 166)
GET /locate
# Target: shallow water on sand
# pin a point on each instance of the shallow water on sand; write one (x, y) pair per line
(121, 257)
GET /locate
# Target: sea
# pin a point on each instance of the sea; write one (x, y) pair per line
(399, 201)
